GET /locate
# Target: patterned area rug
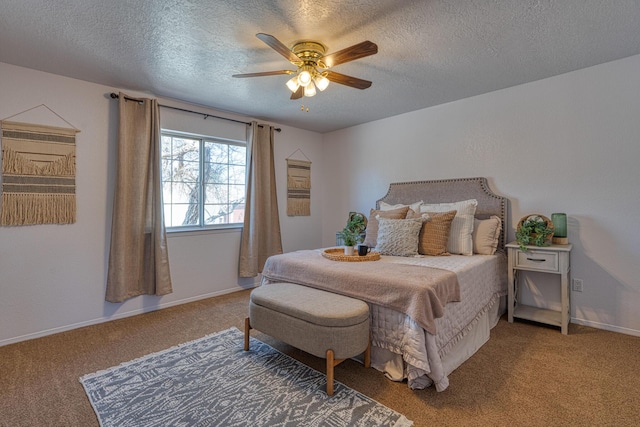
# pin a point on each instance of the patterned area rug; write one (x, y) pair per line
(213, 382)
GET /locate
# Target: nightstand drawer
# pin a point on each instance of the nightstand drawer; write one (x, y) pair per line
(537, 260)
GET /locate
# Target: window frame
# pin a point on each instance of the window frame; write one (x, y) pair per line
(201, 184)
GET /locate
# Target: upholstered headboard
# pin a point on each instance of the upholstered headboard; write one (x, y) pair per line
(452, 190)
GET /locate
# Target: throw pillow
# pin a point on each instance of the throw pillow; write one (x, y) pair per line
(413, 206)
(486, 235)
(371, 236)
(460, 237)
(398, 237)
(434, 234)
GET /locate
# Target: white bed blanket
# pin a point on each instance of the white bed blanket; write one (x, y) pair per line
(482, 280)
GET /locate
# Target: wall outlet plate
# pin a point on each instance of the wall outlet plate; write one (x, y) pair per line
(576, 285)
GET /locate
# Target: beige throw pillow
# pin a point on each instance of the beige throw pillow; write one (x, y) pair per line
(398, 237)
(434, 234)
(371, 236)
(486, 235)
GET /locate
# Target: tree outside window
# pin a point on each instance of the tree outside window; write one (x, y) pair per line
(203, 181)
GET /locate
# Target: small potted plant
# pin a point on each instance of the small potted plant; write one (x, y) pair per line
(534, 230)
(349, 238)
(351, 234)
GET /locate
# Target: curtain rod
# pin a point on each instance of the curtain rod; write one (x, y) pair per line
(116, 96)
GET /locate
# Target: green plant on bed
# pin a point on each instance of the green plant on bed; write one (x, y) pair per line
(533, 231)
(351, 234)
(349, 237)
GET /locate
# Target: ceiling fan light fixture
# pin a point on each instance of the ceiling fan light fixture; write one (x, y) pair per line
(313, 65)
(321, 82)
(293, 84)
(304, 77)
(310, 89)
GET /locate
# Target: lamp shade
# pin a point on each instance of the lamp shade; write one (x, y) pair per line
(310, 89)
(304, 78)
(321, 82)
(292, 84)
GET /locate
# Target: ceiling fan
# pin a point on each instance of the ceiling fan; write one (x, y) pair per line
(314, 66)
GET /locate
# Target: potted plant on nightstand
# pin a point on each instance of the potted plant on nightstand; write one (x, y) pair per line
(351, 234)
(534, 230)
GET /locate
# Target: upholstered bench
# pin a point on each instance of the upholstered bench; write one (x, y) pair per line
(321, 323)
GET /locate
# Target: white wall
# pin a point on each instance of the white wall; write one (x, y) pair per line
(52, 277)
(570, 144)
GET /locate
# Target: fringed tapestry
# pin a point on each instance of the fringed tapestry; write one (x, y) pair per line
(38, 174)
(298, 188)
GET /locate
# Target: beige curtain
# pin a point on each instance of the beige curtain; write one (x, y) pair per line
(138, 260)
(261, 233)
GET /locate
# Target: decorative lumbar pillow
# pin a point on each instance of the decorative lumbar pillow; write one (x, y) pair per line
(371, 236)
(460, 237)
(486, 235)
(434, 234)
(398, 237)
(413, 206)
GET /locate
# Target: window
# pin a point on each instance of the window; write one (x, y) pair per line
(203, 181)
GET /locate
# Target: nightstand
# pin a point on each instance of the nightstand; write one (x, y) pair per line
(553, 259)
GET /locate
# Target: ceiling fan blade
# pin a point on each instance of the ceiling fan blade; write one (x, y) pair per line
(298, 93)
(357, 51)
(279, 47)
(343, 79)
(264, 73)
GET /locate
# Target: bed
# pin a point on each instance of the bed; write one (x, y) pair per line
(426, 335)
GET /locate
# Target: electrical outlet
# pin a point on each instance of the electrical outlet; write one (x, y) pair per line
(577, 285)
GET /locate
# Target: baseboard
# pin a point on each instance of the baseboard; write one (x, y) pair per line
(99, 320)
(606, 327)
(40, 334)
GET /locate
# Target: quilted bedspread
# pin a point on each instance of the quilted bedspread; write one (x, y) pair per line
(482, 281)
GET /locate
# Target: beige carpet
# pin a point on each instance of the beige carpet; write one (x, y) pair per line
(526, 375)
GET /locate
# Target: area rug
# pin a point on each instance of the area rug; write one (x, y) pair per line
(213, 382)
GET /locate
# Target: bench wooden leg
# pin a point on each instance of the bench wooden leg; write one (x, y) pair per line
(367, 356)
(330, 366)
(331, 363)
(247, 328)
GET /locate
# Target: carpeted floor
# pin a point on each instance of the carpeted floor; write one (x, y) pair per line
(526, 375)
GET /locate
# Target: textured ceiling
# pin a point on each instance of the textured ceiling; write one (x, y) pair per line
(430, 52)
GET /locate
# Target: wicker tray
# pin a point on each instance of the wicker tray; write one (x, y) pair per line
(337, 254)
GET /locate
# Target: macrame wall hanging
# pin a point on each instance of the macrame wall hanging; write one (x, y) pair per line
(298, 186)
(38, 173)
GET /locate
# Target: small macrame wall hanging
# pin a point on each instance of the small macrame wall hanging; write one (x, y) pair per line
(38, 173)
(298, 186)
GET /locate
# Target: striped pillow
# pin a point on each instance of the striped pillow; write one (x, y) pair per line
(460, 237)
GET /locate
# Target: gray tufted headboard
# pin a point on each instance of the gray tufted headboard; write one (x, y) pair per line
(452, 190)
